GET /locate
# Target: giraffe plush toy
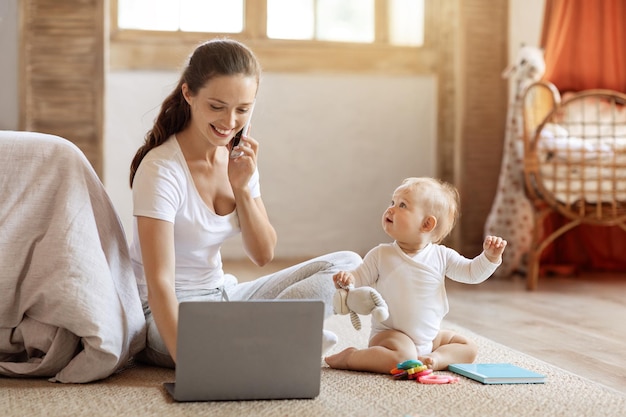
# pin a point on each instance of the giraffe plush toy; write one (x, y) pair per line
(511, 214)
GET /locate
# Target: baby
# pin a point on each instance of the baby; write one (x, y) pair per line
(409, 274)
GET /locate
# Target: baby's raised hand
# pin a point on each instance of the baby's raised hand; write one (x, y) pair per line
(343, 279)
(493, 247)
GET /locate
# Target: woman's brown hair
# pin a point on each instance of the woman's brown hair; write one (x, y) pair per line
(217, 57)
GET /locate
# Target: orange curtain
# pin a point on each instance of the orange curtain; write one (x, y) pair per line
(585, 48)
(585, 44)
(586, 247)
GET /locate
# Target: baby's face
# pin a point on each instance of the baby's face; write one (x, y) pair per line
(402, 220)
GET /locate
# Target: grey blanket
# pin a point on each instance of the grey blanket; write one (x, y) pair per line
(69, 306)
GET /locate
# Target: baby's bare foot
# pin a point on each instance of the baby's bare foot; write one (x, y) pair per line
(429, 361)
(340, 360)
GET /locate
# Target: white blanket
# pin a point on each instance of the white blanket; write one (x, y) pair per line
(69, 305)
(584, 162)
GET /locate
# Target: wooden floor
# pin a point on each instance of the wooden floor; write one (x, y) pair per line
(576, 323)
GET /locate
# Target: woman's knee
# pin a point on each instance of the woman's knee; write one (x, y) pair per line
(352, 259)
(344, 260)
(152, 357)
(155, 352)
(154, 341)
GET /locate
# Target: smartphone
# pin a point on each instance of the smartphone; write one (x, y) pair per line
(236, 153)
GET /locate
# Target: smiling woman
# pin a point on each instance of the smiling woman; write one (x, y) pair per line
(189, 197)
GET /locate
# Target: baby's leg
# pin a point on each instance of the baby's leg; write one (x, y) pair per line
(449, 347)
(385, 351)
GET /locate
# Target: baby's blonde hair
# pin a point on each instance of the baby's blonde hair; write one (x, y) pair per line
(439, 199)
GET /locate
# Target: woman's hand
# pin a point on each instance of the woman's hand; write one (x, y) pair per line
(259, 236)
(241, 168)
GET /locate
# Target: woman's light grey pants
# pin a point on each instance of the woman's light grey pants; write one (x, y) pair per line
(308, 280)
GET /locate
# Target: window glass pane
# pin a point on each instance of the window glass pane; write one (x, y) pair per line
(224, 16)
(148, 14)
(290, 19)
(325, 20)
(406, 22)
(211, 16)
(345, 20)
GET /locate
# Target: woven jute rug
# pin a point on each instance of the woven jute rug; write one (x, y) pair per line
(138, 391)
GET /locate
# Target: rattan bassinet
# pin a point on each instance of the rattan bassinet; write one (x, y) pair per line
(574, 160)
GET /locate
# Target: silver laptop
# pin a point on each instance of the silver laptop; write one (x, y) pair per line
(248, 350)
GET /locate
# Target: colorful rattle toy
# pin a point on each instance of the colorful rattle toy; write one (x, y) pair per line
(415, 369)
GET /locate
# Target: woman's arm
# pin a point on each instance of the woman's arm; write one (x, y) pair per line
(258, 234)
(156, 238)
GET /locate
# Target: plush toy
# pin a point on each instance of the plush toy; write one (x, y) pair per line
(362, 300)
(512, 213)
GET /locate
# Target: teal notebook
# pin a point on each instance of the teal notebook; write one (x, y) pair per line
(497, 373)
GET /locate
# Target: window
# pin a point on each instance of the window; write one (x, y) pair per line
(147, 33)
(181, 15)
(345, 20)
(325, 20)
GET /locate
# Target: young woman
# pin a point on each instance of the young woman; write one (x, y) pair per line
(190, 195)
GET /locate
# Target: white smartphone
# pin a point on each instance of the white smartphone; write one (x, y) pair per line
(236, 153)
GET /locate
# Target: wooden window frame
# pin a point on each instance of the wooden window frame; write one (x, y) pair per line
(156, 50)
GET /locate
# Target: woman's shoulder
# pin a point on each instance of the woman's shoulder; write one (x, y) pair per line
(167, 155)
(168, 150)
(161, 165)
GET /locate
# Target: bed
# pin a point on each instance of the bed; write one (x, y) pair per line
(574, 162)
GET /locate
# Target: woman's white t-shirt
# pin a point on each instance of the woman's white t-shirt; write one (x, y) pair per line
(164, 189)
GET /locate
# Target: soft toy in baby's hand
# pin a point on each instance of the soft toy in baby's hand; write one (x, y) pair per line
(362, 300)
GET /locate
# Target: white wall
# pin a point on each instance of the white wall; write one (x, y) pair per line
(525, 22)
(9, 58)
(333, 148)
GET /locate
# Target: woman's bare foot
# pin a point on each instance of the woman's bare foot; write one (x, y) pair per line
(340, 360)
